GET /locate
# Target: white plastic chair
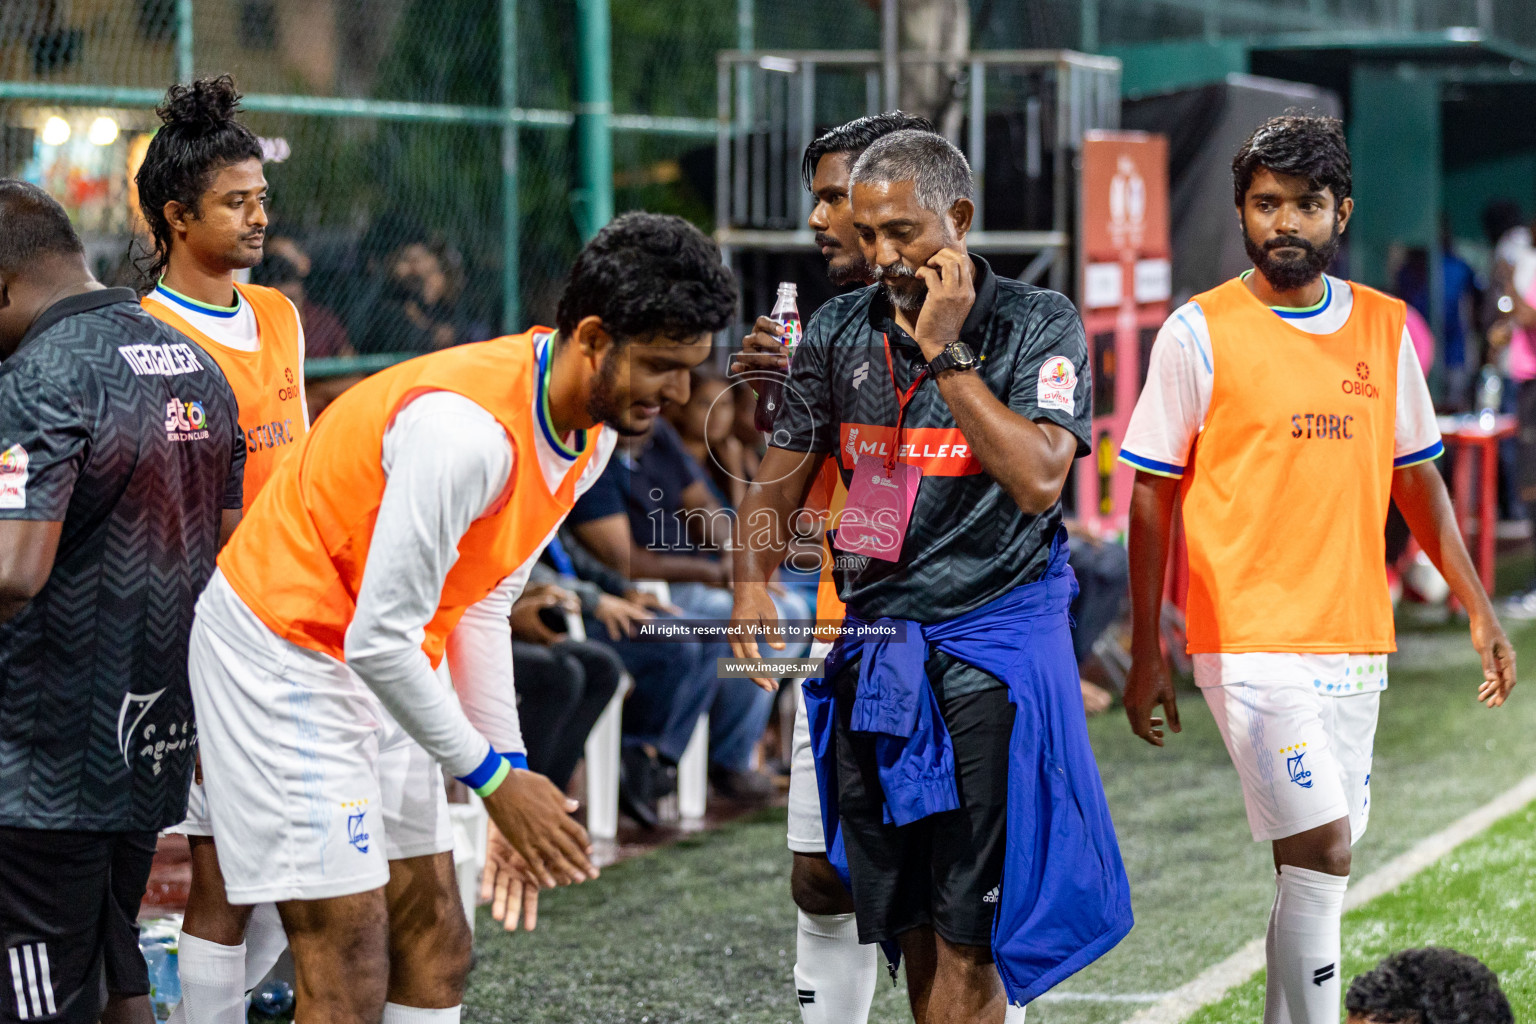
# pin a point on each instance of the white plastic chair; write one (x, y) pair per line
(693, 773)
(602, 757)
(469, 823)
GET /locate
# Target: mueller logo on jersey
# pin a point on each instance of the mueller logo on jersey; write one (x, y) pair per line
(13, 477)
(185, 421)
(937, 451)
(161, 360)
(1361, 385)
(1319, 426)
(269, 435)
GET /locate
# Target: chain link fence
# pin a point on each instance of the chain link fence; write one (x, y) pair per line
(392, 151)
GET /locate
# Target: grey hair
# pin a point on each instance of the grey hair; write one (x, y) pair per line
(939, 172)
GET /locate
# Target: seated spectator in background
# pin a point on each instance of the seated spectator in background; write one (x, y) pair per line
(675, 684)
(1515, 339)
(753, 446)
(418, 307)
(1423, 339)
(563, 685)
(705, 426)
(1103, 572)
(1460, 294)
(1506, 230)
(285, 267)
(652, 516)
(1427, 986)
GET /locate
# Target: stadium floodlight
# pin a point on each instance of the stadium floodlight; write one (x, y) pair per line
(103, 131)
(55, 131)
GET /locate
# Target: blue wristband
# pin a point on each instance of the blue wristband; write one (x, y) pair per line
(490, 774)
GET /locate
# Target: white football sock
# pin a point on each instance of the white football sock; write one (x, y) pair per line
(212, 982)
(265, 941)
(835, 976)
(1274, 993)
(1306, 956)
(1014, 1015)
(394, 1013)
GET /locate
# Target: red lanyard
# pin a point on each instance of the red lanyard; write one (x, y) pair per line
(902, 399)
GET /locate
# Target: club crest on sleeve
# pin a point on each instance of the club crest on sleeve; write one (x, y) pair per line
(1058, 385)
(13, 477)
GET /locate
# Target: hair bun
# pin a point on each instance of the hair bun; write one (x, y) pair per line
(208, 104)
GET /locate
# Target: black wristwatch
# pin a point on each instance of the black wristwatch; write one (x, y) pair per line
(957, 355)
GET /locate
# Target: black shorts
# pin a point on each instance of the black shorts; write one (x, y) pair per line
(945, 870)
(69, 909)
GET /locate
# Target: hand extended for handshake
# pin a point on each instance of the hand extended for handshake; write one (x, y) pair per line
(533, 843)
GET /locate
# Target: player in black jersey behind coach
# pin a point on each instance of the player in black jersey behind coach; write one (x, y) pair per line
(120, 466)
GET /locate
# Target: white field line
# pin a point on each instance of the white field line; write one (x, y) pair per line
(1215, 981)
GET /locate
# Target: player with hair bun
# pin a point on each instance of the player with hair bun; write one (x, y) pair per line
(204, 197)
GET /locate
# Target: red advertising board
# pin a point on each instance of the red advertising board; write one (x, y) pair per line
(1124, 286)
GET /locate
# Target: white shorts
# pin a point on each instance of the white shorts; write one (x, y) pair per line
(197, 822)
(1303, 755)
(409, 778)
(806, 834)
(311, 787)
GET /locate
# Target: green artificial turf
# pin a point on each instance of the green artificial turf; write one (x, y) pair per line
(1480, 899)
(704, 931)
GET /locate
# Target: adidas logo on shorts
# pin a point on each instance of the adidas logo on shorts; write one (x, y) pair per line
(992, 895)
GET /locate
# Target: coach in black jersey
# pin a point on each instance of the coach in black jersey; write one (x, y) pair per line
(120, 464)
(972, 389)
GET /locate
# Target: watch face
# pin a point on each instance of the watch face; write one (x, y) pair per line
(961, 355)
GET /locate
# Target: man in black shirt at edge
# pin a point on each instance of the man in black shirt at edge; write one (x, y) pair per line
(982, 523)
(120, 469)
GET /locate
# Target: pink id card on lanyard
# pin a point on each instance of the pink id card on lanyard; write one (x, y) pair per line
(878, 509)
(881, 493)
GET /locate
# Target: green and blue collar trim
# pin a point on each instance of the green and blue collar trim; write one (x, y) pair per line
(186, 302)
(546, 346)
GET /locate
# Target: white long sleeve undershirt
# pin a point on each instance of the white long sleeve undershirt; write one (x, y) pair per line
(446, 460)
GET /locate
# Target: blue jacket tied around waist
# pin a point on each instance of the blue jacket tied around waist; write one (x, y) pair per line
(1065, 900)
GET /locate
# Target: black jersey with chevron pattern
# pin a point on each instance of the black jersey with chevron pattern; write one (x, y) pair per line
(115, 425)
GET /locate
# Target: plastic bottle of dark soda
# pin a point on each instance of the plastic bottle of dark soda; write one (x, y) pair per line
(770, 389)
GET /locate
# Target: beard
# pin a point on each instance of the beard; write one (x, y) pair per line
(908, 300)
(1288, 274)
(604, 405)
(856, 272)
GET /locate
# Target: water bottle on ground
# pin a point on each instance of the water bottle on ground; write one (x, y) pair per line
(272, 1003)
(770, 391)
(159, 942)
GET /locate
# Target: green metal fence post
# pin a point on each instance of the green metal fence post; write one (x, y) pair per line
(511, 296)
(184, 70)
(593, 197)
